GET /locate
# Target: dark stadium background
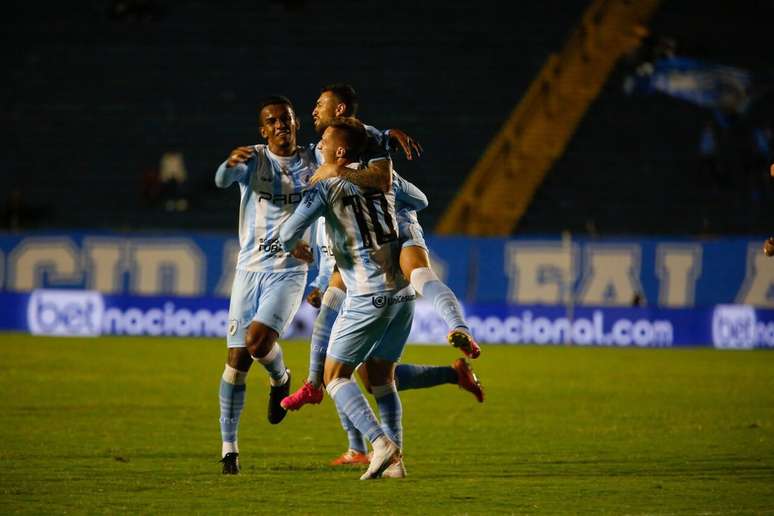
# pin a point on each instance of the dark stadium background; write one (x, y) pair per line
(96, 91)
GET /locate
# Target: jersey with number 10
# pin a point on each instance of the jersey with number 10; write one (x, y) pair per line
(362, 229)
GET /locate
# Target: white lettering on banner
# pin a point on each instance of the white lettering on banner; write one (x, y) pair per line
(733, 327)
(612, 275)
(678, 267)
(230, 255)
(65, 313)
(540, 272)
(758, 286)
(169, 321)
(525, 329)
(56, 257)
(104, 261)
(174, 267)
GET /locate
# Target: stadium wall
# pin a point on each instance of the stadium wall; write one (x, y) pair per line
(600, 292)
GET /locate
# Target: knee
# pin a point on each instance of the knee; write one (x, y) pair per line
(259, 339)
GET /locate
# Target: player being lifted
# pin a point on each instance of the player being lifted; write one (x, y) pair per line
(376, 319)
(269, 282)
(341, 100)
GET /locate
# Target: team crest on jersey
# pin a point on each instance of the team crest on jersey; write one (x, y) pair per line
(233, 324)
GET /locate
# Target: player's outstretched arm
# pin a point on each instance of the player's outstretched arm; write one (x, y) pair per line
(235, 167)
(310, 209)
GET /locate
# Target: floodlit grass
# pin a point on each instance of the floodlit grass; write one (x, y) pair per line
(131, 425)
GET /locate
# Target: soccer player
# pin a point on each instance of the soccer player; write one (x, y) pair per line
(376, 319)
(269, 282)
(340, 100)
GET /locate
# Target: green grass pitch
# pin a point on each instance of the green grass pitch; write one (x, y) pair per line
(131, 425)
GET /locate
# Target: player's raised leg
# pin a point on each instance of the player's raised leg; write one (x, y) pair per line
(413, 376)
(415, 264)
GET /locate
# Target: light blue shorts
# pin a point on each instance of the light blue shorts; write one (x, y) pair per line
(409, 230)
(373, 326)
(271, 298)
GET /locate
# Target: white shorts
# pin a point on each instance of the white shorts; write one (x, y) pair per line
(372, 326)
(271, 298)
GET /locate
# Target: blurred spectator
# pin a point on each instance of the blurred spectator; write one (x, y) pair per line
(173, 178)
(150, 186)
(637, 300)
(17, 213)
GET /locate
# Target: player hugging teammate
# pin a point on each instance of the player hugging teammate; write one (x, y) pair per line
(367, 305)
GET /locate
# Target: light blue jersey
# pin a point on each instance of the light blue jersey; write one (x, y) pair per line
(362, 229)
(271, 188)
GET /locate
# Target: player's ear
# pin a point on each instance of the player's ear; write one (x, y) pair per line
(340, 152)
(262, 130)
(340, 109)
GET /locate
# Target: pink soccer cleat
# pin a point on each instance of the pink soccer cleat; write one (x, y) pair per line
(467, 379)
(464, 341)
(308, 393)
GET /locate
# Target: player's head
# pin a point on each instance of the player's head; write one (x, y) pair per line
(335, 100)
(278, 123)
(343, 141)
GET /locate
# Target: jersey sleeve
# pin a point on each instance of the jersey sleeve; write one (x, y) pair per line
(407, 195)
(310, 209)
(377, 146)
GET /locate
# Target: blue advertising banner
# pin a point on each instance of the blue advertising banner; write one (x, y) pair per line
(89, 314)
(650, 272)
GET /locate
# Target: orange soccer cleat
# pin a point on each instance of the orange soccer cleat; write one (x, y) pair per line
(351, 458)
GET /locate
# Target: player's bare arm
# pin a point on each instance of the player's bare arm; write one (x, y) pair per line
(406, 142)
(378, 174)
(302, 251)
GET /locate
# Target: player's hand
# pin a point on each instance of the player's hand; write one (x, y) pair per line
(768, 247)
(240, 155)
(325, 171)
(303, 252)
(314, 297)
(407, 143)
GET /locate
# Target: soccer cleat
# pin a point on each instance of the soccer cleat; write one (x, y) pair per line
(351, 458)
(395, 470)
(467, 379)
(385, 454)
(464, 341)
(276, 394)
(230, 463)
(308, 393)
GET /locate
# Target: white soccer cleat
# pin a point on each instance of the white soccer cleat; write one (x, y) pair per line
(385, 454)
(395, 470)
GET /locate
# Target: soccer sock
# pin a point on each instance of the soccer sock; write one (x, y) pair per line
(390, 411)
(275, 365)
(354, 436)
(445, 303)
(412, 376)
(321, 333)
(232, 401)
(351, 402)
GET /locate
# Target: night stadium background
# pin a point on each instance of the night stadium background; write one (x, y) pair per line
(599, 186)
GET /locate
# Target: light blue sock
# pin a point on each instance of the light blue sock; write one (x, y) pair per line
(321, 333)
(390, 411)
(445, 304)
(356, 441)
(412, 376)
(274, 364)
(232, 401)
(350, 401)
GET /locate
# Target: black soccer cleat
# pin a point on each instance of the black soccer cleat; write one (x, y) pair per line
(230, 463)
(276, 395)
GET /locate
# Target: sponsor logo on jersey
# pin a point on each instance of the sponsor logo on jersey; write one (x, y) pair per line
(382, 301)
